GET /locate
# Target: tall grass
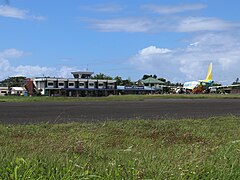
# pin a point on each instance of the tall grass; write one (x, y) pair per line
(139, 149)
(117, 97)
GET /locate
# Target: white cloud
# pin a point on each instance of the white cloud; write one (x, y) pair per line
(161, 24)
(66, 71)
(104, 8)
(8, 11)
(191, 62)
(38, 18)
(31, 71)
(194, 44)
(122, 25)
(153, 50)
(7, 69)
(193, 24)
(4, 65)
(34, 71)
(173, 9)
(13, 12)
(11, 53)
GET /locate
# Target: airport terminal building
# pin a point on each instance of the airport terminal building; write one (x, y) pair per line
(80, 85)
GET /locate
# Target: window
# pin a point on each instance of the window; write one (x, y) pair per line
(81, 84)
(60, 84)
(3, 92)
(70, 84)
(100, 86)
(91, 84)
(50, 84)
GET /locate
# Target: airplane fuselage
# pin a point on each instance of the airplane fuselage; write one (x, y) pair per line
(201, 85)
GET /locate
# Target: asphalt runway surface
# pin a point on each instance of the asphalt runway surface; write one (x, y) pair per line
(61, 112)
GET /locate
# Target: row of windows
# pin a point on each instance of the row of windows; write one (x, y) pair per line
(51, 84)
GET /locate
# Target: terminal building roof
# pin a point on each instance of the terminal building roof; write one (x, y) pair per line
(82, 74)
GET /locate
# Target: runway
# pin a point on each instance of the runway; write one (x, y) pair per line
(25, 113)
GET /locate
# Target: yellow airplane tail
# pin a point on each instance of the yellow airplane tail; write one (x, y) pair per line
(209, 74)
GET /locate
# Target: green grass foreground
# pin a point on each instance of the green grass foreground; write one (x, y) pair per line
(117, 98)
(137, 149)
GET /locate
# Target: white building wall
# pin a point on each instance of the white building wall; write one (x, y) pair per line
(82, 84)
(61, 84)
(3, 91)
(71, 84)
(111, 84)
(50, 84)
(90, 85)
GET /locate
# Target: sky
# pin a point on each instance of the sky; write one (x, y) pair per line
(174, 39)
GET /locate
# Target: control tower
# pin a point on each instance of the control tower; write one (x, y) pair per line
(82, 74)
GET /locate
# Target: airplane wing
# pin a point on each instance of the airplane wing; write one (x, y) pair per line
(226, 86)
(190, 85)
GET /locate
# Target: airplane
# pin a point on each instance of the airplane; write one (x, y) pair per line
(201, 85)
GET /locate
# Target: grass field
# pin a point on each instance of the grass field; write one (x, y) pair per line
(139, 149)
(116, 98)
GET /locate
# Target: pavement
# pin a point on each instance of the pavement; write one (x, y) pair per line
(62, 112)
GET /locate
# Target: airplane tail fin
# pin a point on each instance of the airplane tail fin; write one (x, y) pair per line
(209, 74)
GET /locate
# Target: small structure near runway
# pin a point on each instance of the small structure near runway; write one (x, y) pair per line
(3, 91)
(17, 91)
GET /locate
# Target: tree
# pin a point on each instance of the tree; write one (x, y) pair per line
(145, 76)
(154, 76)
(236, 82)
(123, 82)
(13, 81)
(168, 83)
(127, 82)
(119, 81)
(162, 79)
(102, 76)
(178, 84)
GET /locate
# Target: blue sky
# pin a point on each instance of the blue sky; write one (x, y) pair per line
(172, 39)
